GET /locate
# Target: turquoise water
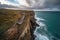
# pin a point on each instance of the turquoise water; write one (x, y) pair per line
(52, 24)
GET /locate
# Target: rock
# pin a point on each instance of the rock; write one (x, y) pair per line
(22, 25)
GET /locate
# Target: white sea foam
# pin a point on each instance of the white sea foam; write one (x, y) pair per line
(41, 32)
(42, 25)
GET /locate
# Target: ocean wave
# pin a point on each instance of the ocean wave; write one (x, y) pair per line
(41, 32)
(39, 36)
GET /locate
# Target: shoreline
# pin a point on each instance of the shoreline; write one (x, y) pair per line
(20, 31)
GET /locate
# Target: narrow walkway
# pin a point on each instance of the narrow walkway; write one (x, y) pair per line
(20, 21)
(13, 31)
(25, 30)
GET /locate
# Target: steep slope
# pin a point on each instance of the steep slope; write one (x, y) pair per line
(17, 24)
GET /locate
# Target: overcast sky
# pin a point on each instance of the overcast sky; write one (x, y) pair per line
(33, 4)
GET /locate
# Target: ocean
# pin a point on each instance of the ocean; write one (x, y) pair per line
(49, 28)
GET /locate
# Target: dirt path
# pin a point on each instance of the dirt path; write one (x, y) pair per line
(12, 32)
(20, 21)
(25, 30)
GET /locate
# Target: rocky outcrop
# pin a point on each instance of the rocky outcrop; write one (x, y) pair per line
(21, 25)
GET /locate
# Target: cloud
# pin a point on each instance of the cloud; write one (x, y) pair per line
(41, 4)
(7, 2)
(33, 4)
(23, 2)
(7, 6)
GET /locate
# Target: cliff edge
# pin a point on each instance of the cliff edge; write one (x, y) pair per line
(17, 24)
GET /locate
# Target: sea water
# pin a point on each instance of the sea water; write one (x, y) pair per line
(49, 28)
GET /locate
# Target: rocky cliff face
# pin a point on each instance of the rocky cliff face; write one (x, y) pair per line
(17, 24)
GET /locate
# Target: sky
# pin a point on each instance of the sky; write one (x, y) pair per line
(14, 2)
(33, 4)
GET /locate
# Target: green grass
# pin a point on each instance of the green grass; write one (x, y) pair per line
(10, 17)
(7, 19)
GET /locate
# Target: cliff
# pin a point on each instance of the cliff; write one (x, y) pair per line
(17, 24)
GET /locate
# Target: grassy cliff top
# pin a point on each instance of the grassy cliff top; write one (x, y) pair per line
(9, 17)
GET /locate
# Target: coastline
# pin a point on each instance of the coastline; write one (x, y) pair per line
(18, 31)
